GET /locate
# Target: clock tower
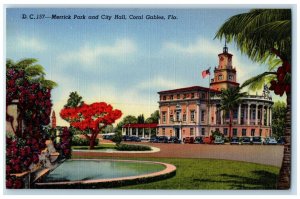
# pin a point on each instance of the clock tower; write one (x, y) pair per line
(224, 74)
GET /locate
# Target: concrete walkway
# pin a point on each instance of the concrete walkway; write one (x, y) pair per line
(262, 154)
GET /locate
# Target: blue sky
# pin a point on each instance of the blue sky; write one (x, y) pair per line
(123, 62)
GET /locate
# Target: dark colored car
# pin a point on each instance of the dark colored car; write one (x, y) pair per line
(135, 139)
(235, 140)
(163, 139)
(246, 140)
(108, 137)
(198, 140)
(126, 138)
(174, 139)
(256, 140)
(154, 139)
(281, 141)
(189, 140)
(208, 140)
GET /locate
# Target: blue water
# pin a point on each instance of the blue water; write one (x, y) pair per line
(73, 170)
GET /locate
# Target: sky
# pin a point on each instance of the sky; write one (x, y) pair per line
(123, 62)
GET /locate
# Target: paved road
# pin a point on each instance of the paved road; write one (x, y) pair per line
(262, 154)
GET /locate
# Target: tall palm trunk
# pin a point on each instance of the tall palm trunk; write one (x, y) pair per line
(284, 180)
(230, 123)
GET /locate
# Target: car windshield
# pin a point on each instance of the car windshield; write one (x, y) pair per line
(256, 139)
(234, 139)
(247, 139)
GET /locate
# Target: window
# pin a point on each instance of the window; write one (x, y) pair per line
(230, 77)
(192, 116)
(253, 114)
(234, 132)
(202, 115)
(252, 132)
(220, 77)
(171, 133)
(164, 98)
(235, 114)
(225, 131)
(203, 95)
(163, 131)
(164, 117)
(203, 131)
(184, 117)
(177, 116)
(171, 119)
(244, 132)
(191, 131)
(259, 114)
(171, 97)
(184, 96)
(178, 96)
(192, 95)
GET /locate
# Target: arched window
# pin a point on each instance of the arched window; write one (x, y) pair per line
(220, 77)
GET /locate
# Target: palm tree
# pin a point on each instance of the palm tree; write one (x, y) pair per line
(263, 34)
(230, 99)
(33, 72)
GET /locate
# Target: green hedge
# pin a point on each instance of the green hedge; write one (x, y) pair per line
(77, 141)
(126, 147)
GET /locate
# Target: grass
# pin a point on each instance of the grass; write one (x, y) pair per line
(101, 146)
(212, 174)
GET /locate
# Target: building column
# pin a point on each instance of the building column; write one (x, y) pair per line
(143, 132)
(168, 116)
(187, 114)
(270, 116)
(256, 114)
(221, 117)
(155, 132)
(180, 133)
(198, 114)
(248, 114)
(239, 114)
(208, 114)
(137, 132)
(130, 131)
(263, 116)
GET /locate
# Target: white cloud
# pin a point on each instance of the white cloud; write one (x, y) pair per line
(201, 45)
(30, 43)
(159, 83)
(90, 54)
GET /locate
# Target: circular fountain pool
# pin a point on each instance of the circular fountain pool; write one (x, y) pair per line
(88, 173)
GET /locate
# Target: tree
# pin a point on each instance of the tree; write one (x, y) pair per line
(141, 119)
(154, 117)
(230, 99)
(74, 100)
(91, 118)
(263, 34)
(33, 72)
(129, 119)
(278, 119)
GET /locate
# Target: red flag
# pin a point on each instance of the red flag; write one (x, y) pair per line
(205, 73)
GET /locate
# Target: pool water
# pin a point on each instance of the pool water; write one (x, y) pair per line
(77, 170)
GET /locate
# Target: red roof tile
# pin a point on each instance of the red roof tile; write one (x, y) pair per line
(151, 125)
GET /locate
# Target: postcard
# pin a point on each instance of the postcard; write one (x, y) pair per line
(148, 98)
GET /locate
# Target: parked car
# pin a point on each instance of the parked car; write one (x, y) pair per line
(189, 140)
(256, 140)
(270, 141)
(235, 140)
(154, 139)
(281, 141)
(246, 140)
(126, 138)
(135, 139)
(208, 140)
(163, 139)
(198, 140)
(108, 137)
(174, 139)
(219, 140)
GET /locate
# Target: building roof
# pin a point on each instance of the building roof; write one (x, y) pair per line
(151, 125)
(192, 88)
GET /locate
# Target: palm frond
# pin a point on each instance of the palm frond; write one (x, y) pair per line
(34, 70)
(48, 83)
(24, 63)
(257, 82)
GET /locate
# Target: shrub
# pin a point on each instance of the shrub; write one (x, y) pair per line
(126, 147)
(77, 141)
(117, 138)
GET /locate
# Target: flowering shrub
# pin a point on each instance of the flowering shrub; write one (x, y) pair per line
(34, 106)
(91, 118)
(64, 146)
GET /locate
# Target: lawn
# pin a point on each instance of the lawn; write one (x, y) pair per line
(212, 174)
(101, 146)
